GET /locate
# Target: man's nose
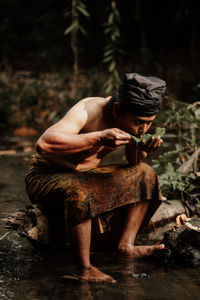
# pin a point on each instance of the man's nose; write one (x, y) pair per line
(143, 128)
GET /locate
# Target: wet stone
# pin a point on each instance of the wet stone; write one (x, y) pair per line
(182, 245)
(140, 275)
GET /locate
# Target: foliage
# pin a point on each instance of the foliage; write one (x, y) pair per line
(112, 51)
(159, 132)
(39, 100)
(31, 32)
(183, 120)
(32, 93)
(78, 9)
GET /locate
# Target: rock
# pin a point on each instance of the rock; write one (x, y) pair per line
(140, 275)
(33, 224)
(182, 244)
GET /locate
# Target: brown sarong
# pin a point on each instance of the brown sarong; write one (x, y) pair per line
(91, 193)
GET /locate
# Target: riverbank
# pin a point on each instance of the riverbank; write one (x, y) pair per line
(30, 274)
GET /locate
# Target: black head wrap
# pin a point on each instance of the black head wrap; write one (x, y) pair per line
(140, 95)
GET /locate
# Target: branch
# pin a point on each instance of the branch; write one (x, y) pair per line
(186, 167)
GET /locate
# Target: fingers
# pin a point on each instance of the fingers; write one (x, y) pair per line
(121, 137)
(152, 144)
(119, 134)
(124, 136)
(158, 142)
(121, 142)
(114, 137)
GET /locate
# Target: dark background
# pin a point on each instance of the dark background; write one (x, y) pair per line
(158, 38)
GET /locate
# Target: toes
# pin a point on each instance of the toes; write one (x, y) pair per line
(94, 275)
(111, 280)
(107, 279)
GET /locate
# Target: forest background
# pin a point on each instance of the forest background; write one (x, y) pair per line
(53, 53)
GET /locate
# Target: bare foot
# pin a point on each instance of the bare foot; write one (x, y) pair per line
(93, 274)
(131, 251)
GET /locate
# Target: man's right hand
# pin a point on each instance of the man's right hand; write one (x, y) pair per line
(114, 137)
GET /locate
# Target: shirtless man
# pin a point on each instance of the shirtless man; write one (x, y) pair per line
(91, 129)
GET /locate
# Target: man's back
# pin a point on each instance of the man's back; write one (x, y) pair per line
(88, 115)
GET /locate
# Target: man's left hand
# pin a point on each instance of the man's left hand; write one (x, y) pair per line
(151, 145)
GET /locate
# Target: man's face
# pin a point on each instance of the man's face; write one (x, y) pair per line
(132, 124)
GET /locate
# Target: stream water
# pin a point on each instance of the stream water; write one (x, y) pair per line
(26, 273)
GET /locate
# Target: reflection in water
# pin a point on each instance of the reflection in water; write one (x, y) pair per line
(38, 276)
(85, 292)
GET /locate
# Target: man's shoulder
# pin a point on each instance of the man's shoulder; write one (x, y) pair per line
(95, 100)
(91, 104)
(87, 109)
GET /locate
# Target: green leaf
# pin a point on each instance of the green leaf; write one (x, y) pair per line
(83, 30)
(107, 52)
(83, 11)
(74, 25)
(159, 133)
(107, 30)
(108, 58)
(108, 89)
(112, 66)
(110, 18)
(68, 30)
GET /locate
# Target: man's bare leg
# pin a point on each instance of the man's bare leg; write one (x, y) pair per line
(81, 240)
(134, 216)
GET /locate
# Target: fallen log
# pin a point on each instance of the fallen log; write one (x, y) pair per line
(186, 167)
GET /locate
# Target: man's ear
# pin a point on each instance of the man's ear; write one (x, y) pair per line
(115, 109)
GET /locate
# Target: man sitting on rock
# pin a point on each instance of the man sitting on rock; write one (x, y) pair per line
(66, 168)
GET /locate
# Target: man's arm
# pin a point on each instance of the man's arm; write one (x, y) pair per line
(63, 138)
(137, 153)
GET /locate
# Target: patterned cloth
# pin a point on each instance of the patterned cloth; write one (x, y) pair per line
(91, 193)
